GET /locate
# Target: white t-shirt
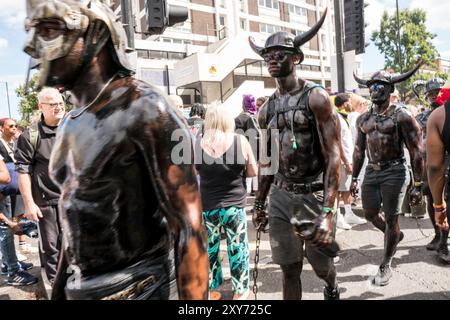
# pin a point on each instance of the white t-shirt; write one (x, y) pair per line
(352, 117)
(346, 139)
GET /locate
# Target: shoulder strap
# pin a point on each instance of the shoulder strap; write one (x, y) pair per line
(34, 134)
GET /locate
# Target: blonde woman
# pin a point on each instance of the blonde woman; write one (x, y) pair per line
(222, 157)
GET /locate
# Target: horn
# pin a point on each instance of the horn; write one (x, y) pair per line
(255, 48)
(308, 35)
(406, 75)
(416, 85)
(359, 80)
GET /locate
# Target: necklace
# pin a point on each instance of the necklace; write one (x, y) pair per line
(384, 112)
(95, 99)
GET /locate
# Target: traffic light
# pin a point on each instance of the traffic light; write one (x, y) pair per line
(160, 15)
(354, 26)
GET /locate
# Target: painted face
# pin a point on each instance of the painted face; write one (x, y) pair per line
(280, 63)
(380, 92)
(432, 95)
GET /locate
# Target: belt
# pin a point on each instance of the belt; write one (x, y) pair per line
(385, 164)
(302, 188)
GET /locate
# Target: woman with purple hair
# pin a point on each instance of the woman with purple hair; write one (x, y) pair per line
(245, 123)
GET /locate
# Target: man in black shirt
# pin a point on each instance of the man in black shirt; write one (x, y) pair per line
(40, 194)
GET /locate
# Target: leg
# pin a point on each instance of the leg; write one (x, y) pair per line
(292, 283)
(8, 249)
(371, 199)
(434, 244)
(212, 223)
(50, 241)
(324, 268)
(235, 225)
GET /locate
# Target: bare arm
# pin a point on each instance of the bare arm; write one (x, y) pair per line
(329, 134)
(412, 134)
(177, 190)
(5, 178)
(436, 155)
(265, 177)
(359, 152)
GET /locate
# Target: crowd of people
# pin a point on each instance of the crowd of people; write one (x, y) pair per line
(117, 212)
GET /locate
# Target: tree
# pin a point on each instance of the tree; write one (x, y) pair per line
(28, 105)
(415, 43)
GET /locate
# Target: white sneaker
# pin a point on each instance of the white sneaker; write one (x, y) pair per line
(21, 257)
(352, 218)
(27, 248)
(341, 224)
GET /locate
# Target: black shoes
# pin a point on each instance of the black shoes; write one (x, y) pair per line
(23, 266)
(443, 255)
(383, 276)
(434, 244)
(21, 278)
(331, 293)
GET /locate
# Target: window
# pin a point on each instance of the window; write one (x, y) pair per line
(296, 10)
(242, 24)
(324, 42)
(222, 20)
(142, 53)
(176, 55)
(157, 55)
(268, 28)
(271, 4)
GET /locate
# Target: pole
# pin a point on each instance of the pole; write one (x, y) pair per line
(400, 60)
(7, 96)
(339, 47)
(128, 21)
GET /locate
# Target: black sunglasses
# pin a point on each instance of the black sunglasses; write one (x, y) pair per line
(277, 56)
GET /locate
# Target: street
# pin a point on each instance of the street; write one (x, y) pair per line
(417, 273)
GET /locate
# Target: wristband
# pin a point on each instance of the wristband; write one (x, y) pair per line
(440, 206)
(259, 205)
(328, 210)
(354, 179)
(418, 183)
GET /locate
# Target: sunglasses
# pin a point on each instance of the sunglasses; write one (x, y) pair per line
(277, 56)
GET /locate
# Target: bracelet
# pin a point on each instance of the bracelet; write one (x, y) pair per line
(328, 210)
(259, 205)
(418, 183)
(440, 206)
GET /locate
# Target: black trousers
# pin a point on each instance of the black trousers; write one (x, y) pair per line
(50, 240)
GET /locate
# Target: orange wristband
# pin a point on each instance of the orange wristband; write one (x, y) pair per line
(440, 206)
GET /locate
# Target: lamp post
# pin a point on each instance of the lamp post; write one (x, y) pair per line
(7, 97)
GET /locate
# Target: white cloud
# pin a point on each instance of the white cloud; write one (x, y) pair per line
(437, 13)
(12, 13)
(3, 43)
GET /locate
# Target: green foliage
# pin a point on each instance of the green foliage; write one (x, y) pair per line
(415, 43)
(28, 105)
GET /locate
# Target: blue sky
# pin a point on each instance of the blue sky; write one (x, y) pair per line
(13, 62)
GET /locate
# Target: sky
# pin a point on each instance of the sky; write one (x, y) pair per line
(14, 62)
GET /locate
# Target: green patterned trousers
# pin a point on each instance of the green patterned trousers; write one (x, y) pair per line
(234, 222)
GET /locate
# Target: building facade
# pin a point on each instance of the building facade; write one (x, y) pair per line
(215, 24)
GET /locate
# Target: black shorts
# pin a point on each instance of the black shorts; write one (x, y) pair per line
(287, 248)
(385, 188)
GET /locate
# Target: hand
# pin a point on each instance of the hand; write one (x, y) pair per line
(440, 216)
(259, 219)
(415, 196)
(348, 169)
(354, 189)
(33, 213)
(323, 236)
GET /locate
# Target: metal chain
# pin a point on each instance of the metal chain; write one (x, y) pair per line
(255, 269)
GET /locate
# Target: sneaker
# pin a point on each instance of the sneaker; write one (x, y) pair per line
(21, 257)
(23, 266)
(341, 224)
(27, 248)
(434, 244)
(443, 255)
(331, 293)
(21, 278)
(352, 218)
(383, 276)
